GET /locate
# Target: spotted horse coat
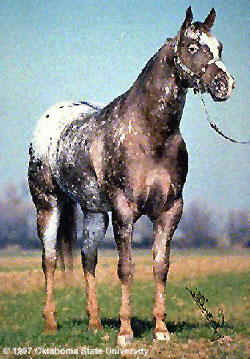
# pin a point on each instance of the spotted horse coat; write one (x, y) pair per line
(129, 158)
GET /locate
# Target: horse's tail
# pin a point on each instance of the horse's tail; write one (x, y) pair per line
(67, 235)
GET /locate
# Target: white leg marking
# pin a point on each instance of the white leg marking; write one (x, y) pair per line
(162, 336)
(93, 233)
(50, 234)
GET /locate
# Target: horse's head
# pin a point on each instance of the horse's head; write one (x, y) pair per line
(198, 58)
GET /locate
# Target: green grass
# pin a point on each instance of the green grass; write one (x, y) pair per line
(21, 321)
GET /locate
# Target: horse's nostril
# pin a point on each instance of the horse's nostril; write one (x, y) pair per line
(233, 86)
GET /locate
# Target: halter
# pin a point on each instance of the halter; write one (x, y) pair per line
(195, 78)
(198, 87)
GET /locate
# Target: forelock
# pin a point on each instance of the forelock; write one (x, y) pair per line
(192, 33)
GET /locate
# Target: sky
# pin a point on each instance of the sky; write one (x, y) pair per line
(93, 50)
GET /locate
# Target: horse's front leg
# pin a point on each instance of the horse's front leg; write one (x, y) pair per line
(123, 228)
(94, 229)
(164, 227)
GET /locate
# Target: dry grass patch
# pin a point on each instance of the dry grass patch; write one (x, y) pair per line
(226, 347)
(24, 275)
(193, 267)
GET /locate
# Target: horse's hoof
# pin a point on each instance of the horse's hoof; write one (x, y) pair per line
(95, 330)
(162, 336)
(124, 340)
(50, 329)
(95, 326)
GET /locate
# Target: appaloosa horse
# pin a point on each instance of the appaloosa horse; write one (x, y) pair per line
(128, 158)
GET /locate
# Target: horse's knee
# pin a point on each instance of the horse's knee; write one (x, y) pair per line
(89, 260)
(160, 270)
(125, 270)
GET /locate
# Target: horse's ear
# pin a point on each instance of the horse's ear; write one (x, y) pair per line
(188, 20)
(209, 21)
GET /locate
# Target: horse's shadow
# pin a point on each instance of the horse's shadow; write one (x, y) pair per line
(139, 326)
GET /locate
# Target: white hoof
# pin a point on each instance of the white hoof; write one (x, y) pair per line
(162, 336)
(124, 340)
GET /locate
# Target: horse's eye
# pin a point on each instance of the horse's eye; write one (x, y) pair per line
(193, 48)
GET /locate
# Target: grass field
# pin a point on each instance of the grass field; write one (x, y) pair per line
(222, 277)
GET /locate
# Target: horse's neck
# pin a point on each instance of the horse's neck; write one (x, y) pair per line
(159, 92)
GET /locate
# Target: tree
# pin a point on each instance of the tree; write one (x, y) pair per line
(238, 228)
(17, 219)
(197, 227)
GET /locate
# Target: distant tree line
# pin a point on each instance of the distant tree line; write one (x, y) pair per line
(197, 229)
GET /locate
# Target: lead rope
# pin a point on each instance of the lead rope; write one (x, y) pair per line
(214, 126)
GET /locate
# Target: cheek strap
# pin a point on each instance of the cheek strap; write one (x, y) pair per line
(195, 79)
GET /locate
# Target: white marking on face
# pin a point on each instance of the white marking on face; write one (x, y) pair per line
(222, 67)
(192, 34)
(204, 39)
(50, 234)
(211, 42)
(230, 86)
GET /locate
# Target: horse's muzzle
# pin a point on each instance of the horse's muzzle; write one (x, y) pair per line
(218, 81)
(221, 87)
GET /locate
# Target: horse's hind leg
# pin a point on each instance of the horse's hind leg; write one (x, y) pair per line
(94, 229)
(56, 230)
(47, 225)
(48, 214)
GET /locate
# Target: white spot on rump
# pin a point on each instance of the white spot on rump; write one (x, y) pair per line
(51, 124)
